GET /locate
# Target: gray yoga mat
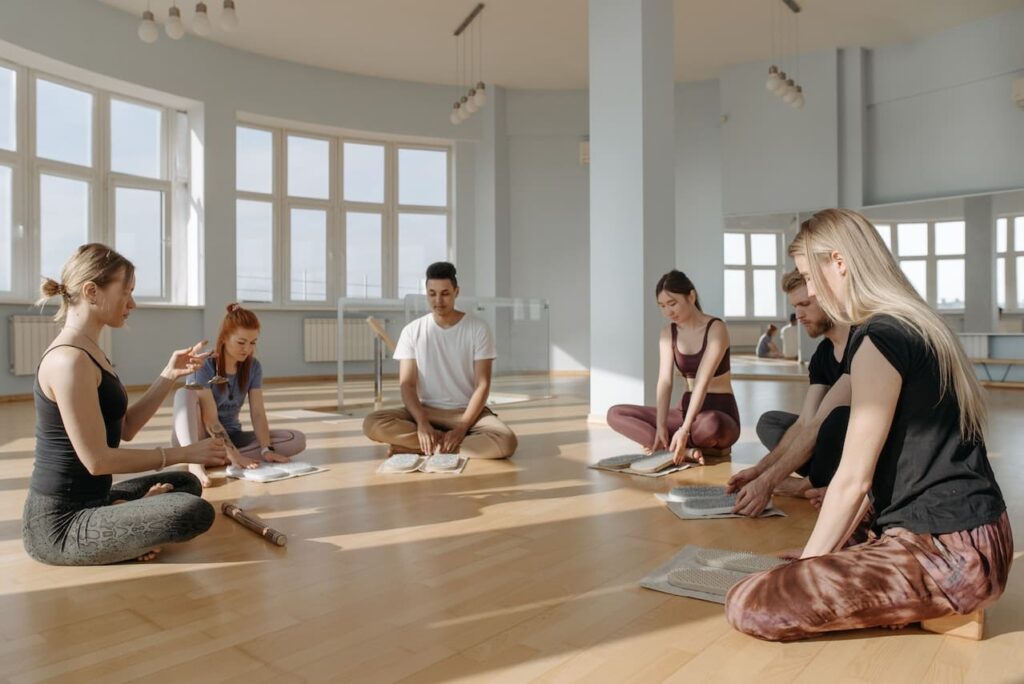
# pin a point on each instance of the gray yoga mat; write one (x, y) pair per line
(657, 579)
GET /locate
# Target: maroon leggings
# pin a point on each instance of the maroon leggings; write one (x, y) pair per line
(717, 426)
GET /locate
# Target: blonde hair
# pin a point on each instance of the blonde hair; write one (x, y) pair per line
(875, 285)
(93, 263)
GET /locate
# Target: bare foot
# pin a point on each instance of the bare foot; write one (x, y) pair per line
(274, 457)
(148, 556)
(793, 486)
(694, 456)
(200, 472)
(242, 461)
(159, 488)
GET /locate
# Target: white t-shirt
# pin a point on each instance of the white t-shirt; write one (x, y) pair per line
(444, 358)
(789, 341)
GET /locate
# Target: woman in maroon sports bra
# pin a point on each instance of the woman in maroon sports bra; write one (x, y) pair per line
(708, 420)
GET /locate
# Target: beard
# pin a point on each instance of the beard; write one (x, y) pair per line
(815, 330)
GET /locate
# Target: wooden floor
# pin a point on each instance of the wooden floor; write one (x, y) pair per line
(513, 571)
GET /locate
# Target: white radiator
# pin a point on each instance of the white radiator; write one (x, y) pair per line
(320, 337)
(31, 335)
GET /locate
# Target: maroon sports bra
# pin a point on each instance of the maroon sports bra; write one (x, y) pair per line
(689, 363)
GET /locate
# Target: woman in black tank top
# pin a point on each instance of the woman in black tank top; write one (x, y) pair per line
(74, 515)
(707, 422)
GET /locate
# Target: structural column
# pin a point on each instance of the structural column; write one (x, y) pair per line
(632, 201)
(980, 312)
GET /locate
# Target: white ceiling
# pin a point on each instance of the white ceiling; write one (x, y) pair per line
(543, 43)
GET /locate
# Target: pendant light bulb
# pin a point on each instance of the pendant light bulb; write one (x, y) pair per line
(790, 93)
(173, 27)
(228, 17)
(471, 106)
(773, 82)
(798, 101)
(455, 118)
(148, 32)
(481, 94)
(201, 24)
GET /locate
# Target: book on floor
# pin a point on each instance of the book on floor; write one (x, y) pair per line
(271, 472)
(413, 463)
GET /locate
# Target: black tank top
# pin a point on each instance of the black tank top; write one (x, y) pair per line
(58, 470)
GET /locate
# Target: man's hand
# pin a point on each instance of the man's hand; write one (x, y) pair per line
(452, 439)
(754, 497)
(740, 479)
(429, 438)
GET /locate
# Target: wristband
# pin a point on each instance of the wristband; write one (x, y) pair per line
(163, 458)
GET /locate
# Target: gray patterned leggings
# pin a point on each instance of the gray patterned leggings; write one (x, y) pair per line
(62, 531)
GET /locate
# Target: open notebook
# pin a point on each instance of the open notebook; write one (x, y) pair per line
(271, 472)
(706, 574)
(647, 465)
(702, 501)
(413, 463)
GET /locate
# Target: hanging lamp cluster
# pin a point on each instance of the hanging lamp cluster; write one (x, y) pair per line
(472, 91)
(174, 27)
(785, 85)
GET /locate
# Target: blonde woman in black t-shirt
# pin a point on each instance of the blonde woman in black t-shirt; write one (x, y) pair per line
(938, 542)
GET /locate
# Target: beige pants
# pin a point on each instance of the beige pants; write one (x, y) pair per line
(488, 438)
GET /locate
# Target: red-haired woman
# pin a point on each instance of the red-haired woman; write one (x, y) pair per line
(232, 374)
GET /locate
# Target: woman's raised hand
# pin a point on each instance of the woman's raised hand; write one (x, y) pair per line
(185, 361)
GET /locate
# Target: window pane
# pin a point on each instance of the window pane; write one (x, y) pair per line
(63, 221)
(422, 240)
(1020, 283)
(1001, 235)
(764, 249)
(63, 123)
(254, 159)
(139, 221)
(765, 299)
(423, 177)
(136, 135)
(309, 255)
(1018, 234)
(735, 293)
(6, 221)
(917, 274)
(182, 152)
(363, 255)
(885, 231)
(8, 109)
(254, 251)
(949, 284)
(913, 239)
(949, 237)
(364, 172)
(1001, 282)
(309, 167)
(735, 249)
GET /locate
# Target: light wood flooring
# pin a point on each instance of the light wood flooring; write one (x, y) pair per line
(513, 571)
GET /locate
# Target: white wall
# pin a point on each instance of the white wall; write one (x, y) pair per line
(549, 215)
(939, 117)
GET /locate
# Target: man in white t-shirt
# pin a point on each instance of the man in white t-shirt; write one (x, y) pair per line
(790, 339)
(445, 376)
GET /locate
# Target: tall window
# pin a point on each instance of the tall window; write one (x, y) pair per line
(81, 165)
(319, 217)
(752, 274)
(1010, 263)
(932, 256)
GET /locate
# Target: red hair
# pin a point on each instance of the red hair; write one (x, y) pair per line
(236, 318)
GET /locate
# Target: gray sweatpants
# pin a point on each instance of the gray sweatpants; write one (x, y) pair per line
(62, 531)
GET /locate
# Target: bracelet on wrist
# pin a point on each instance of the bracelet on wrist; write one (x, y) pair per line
(163, 458)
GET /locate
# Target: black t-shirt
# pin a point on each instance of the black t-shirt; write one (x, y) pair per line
(823, 368)
(927, 479)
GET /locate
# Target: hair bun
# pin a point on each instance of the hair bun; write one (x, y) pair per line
(233, 307)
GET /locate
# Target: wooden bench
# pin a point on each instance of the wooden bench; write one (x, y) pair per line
(1009, 363)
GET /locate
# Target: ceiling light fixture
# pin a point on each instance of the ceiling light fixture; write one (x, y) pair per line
(469, 67)
(174, 27)
(778, 82)
(201, 24)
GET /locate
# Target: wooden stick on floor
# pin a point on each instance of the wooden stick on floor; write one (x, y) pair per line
(253, 522)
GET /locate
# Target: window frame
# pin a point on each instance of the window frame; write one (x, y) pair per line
(337, 208)
(930, 259)
(1012, 253)
(28, 169)
(748, 269)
